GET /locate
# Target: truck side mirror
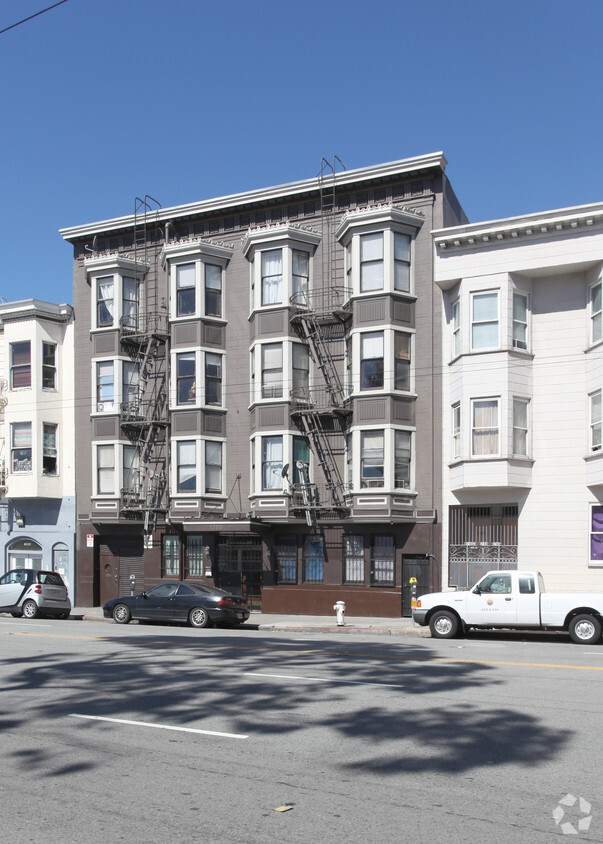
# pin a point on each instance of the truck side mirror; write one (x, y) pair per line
(477, 591)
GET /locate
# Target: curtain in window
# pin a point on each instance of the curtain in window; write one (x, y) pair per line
(105, 302)
(272, 277)
(22, 434)
(485, 427)
(131, 460)
(372, 457)
(272, 460)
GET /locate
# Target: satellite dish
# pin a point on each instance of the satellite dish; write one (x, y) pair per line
(285, 471)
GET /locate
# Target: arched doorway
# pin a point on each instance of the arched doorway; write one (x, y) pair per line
(60, 561)
(25, 554)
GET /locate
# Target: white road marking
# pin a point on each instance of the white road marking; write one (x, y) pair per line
(159, 726)
(320, 680)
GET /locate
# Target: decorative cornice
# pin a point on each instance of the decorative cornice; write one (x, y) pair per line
(115, 260)
(557, 223)
(34, 309)
(387, 213)
(342, 179)
(189, 246)
(279, 232)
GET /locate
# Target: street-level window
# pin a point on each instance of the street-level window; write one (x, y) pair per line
(185, 289)
(520, 427)
(186, 468)
(484, 325)
(371, 360)
(213, 290)
(49, 366)
(353, 557)
(20, 365)
(272, 277)
(105, 304)
(171, 556)
(383, 561)
(371, 262)
(520, 321)
(596, 314)
(286, 559)
(485, 427)
(194, 555)
(21, 447)
(49, 449)
(596, 533)
(595, 421)
(314, 559)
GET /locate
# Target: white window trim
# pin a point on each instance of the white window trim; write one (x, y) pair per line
(526, 400)
(591, 315)
(489, 456)
(474, 293)
(457, 439)
(118, 268)
(455, 321)
(198, 252)
(525, 296)
(199, 467)
(118, 385)
(353, 375)
(354, 477)
(591, 424)
(287, 370)
(200, 353)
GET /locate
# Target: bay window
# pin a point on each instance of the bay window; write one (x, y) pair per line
(20, 365)
(185, 289)
(272, 370)
(272, 277)
(131, 465)
(401, 262)
(280, 258)
(272, 462)
(185, 378)
(300, 274)
(485, 432)
(105, 302)
(372, 459)
(186, 466)
(213, 466)
(49, 366)
(402, 456)
(130, 302)
(21, 447)
(213, 290)
(371, 360)
(49, 449)
(213, 378)
(301, 454)
(596, 533)
(520, 321)
(401, 361)
(105, 469)
(520, 427)
(484, 321)
(105, 386)
(595, 421)
(300, 363)
(456, 328)
(371, 262)
(130, 373)
(596, 314)
(456, 430)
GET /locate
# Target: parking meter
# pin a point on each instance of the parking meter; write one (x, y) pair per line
(413, 592)
(132, 583)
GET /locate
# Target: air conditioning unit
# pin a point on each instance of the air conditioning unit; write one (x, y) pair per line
(100, 407)
(3, 491)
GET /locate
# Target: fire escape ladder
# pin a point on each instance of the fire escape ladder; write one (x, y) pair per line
(314, 333)
(312, 426)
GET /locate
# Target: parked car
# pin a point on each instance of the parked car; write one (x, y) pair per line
(28, 593)
(197, 604)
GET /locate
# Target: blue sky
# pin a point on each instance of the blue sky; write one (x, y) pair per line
(106, 100)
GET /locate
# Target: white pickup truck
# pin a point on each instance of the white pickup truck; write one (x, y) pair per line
(514, 599)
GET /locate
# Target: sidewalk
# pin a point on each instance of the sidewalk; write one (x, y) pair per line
(304, 623)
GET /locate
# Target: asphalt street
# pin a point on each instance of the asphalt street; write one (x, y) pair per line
(156, 734)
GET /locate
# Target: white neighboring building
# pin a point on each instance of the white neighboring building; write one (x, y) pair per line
(37, 437)
(522, 396)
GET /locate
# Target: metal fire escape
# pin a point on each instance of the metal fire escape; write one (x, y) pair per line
(144, 335)
(321, 412)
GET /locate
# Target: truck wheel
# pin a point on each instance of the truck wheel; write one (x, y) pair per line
(585, 629)
(443, 625)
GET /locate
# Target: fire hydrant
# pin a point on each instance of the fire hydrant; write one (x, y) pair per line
(339, 608)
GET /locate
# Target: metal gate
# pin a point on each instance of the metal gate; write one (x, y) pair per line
(240, 567)
(118, 558)
(417, 567)
(481, 539)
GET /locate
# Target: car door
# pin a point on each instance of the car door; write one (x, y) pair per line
(12, 586)
(493, 601)
(159, 602)
(185, 599)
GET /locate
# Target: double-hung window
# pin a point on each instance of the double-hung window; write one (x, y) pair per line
(272, 277)
(372, 459)
(105, 469)
(484, 321)
(186, 466)
(401, 262)
(300, 273)
(520, 321)
(353, 559)
(105, 303)
(272, 462)
(213, 290)
(49, 449)
(596, 533)
(301, 454)
(401, 361)
(272, 370)
(485, 433)
(402, 458)
(130, 372)
(129, 314)
(21, 447)
(596, 313)
(596, 424)
(20, 365)
(49, 366)
(300, 363)
(456, 430)
(213, 466)
(131, 464)
(105, 386)
(185, 378)
(371, 262)
(185, 289)
(213, 378)
(456, 328)
(520, 427)
(371, 360)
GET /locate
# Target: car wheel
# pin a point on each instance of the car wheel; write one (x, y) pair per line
(29, 609)
(121, 614)
(198, 617)
(585, 629)
(443, 625)
(64, 614)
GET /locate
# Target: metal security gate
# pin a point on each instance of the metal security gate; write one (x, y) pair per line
(118, 558)
(481, 539)
(240, 567)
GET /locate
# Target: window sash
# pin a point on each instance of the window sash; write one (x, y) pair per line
(49, 449)
(520, 427)
(105, 383)
(596, 421)
(484, 328)
(49, 368)
(186, 378)
(186, 469)
(353, 555)
(485, 427)
(131, 465)
(272, 277)
(596, 316)
(401, 361)
(213, 467)
(105, 464)
(371, 262)
(185, 289)
(20, 373)
(272, 370)
(371, 361)
(272, 462)
(383, 563)
(402, 459)
(401, 262)
(104, 302)
(456, 431)
(213, 379)
(213, 290)
(300, 272)
(372, 457)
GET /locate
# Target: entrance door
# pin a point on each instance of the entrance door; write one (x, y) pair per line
(240, 567)
(119, 558)
(417, 567)
(108, 564)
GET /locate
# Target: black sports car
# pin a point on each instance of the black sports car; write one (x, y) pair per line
(194, 603)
